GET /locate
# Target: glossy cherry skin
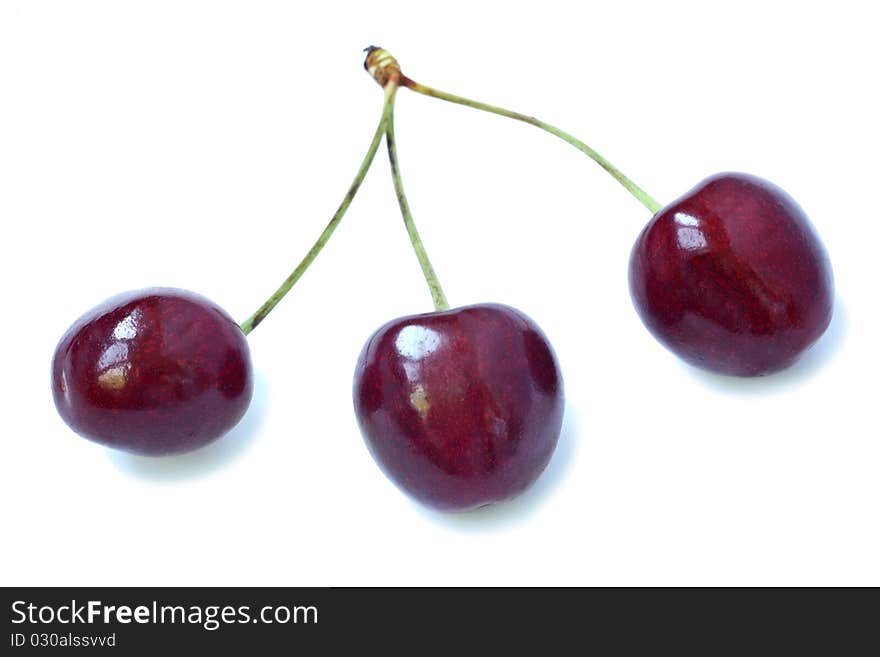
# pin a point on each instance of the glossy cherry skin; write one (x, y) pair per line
(460, 408)
(732, 277)
(155, 371)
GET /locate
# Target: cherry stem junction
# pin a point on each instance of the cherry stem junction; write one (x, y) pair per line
(641, 195)
(385, 70)
(254, 320)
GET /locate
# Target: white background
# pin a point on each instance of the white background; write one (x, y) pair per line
(204, 145)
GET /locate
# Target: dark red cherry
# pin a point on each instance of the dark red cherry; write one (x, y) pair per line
(732, 277)
(154, 371)
(460, 408)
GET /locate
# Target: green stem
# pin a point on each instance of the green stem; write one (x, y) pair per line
(254, 320)
(437, 295)
(640, 194)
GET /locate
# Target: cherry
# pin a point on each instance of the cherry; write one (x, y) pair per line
(460, 408)
(155, 371)
(163, 371)
(732, 277)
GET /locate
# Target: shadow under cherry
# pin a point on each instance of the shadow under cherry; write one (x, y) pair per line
(814, 359)
(206, 460)
(503, 515)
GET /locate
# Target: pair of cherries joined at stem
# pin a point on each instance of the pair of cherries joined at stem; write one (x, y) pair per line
(460, 407)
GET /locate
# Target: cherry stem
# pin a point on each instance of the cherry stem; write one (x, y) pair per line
(254, 320)
(437, 295)
(643, 197)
